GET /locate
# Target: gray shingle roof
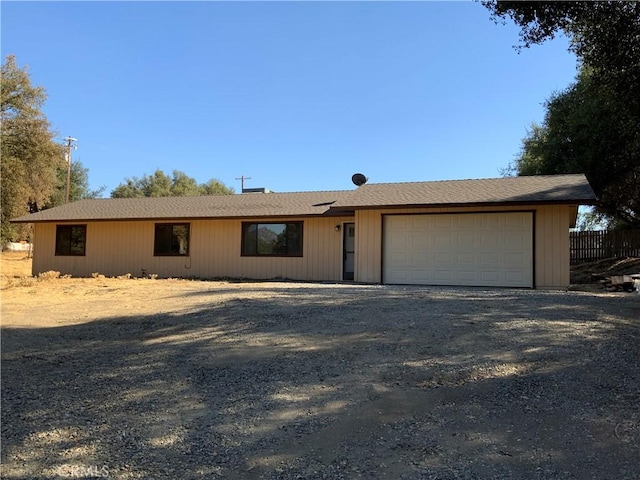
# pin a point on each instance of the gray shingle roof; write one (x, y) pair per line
(216, 206)
(539, 189)
(531, 189)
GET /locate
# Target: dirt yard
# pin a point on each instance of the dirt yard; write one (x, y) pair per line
(591, 272)
(140, 379)
(14, 265)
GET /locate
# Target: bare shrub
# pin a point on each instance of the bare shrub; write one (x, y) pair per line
(49, 275)
(19, 282)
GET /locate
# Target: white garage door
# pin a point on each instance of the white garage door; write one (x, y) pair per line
(480, 249)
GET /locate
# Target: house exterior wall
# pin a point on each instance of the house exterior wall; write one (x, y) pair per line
(551, 240)
(117, 248)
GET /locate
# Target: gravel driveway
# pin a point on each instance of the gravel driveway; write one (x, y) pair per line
(284, 381)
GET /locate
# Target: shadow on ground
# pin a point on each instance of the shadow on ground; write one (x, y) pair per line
(330, 383)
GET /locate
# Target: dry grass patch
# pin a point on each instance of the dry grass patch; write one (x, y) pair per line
(15, 270)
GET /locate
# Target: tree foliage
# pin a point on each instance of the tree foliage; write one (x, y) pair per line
(589, 130)
(30, 158)
(605, 35)
(160, 184)
(593, 127)
(79, 188)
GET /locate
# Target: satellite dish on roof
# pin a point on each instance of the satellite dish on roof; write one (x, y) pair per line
(358, 179)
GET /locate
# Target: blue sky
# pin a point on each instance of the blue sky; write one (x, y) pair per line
(296, 95)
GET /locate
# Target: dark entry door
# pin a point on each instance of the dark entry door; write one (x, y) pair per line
(348, 251)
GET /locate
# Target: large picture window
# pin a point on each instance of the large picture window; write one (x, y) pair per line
(171, 239)
(71, 239)
(275, 239)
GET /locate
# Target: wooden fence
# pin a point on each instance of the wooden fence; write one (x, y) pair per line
(595, 245)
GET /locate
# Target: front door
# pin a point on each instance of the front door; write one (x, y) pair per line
(348, 250)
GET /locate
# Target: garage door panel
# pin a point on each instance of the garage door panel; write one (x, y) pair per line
(490, 277)
(398, 222)
(443, 222)
(442, 276)
(515, 222)
(493, 249)
(490, 240)
(400, 257)
(516, 241)
(467, 276)
(399, 247)
(466, 222)
(490, 222)
(441, 241)
(419, 223)
(465, 239)
(489, 259)
(515, 260)
(419, 240)
(515, 277)
(442, 258)
(466, 258)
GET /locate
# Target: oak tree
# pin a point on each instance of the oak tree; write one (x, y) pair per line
(589, 130)
(30, 158)
(593, 127)
(160, 184)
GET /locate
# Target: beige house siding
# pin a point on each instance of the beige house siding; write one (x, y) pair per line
(368, 246)
(551, 250)
(552, 246)
(216, 248)
(117, 248)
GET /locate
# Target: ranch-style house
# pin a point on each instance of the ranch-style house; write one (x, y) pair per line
(502, 232)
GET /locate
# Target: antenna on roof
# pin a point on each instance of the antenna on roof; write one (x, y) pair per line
(358, 179)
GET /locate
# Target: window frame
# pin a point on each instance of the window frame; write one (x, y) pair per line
(158, 253)
(243, 244)
(82, 241)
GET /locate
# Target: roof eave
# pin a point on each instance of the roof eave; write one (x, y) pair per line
(466, 204)
(328, 213)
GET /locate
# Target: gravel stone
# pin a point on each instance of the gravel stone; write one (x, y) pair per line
(283, 380)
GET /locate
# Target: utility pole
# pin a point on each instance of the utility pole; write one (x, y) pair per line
(72, 143)
(242, 179)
